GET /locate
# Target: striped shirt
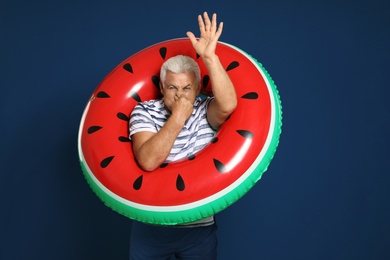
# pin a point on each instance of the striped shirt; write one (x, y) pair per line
(150, 116)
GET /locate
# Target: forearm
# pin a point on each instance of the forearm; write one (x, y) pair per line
(223, 89)
(222, 86)
(153, 152)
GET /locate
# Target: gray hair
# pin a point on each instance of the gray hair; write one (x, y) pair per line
(180, 64)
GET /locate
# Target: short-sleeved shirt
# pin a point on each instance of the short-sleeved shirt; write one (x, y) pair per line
(150, 116)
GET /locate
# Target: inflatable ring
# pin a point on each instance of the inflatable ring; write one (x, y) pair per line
(193, 188)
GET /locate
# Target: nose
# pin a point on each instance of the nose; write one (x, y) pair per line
(179, 93)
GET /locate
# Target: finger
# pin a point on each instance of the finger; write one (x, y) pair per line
(192, 37)
(214, 22)
(207, 21)
(201, 24)
(219, 31)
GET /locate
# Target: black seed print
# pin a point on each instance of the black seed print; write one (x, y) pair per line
(180, 183)
(122, 116)
(220, 166)
(104, 163)
(128, 67)
(245, 133)
(191, 157)
(136, 97)
(250, 95)
(93, 129)
(163, 52)
(138, 183)
(232, 65)
(206, 80)
(163, 165)
(214, 140)
(124, 139)
(102, 94)
(156, 81)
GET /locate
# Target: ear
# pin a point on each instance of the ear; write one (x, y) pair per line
(199, 88)
(161, 87)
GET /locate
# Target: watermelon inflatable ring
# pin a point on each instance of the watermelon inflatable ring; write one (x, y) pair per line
(190, 189)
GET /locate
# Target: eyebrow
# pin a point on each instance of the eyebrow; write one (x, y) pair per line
(172, 85)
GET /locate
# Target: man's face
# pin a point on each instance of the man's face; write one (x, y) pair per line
(179, 85)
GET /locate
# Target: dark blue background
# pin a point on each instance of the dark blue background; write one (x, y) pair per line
(326, 193)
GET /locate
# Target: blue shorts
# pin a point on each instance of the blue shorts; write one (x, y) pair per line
(160, 242)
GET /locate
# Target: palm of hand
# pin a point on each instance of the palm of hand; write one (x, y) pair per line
(209, 35)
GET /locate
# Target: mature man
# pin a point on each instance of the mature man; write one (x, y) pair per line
(176, 127)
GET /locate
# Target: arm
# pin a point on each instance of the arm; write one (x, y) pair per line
(225, 100)
(152, 149)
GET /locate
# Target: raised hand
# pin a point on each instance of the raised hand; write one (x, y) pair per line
(209, 34)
